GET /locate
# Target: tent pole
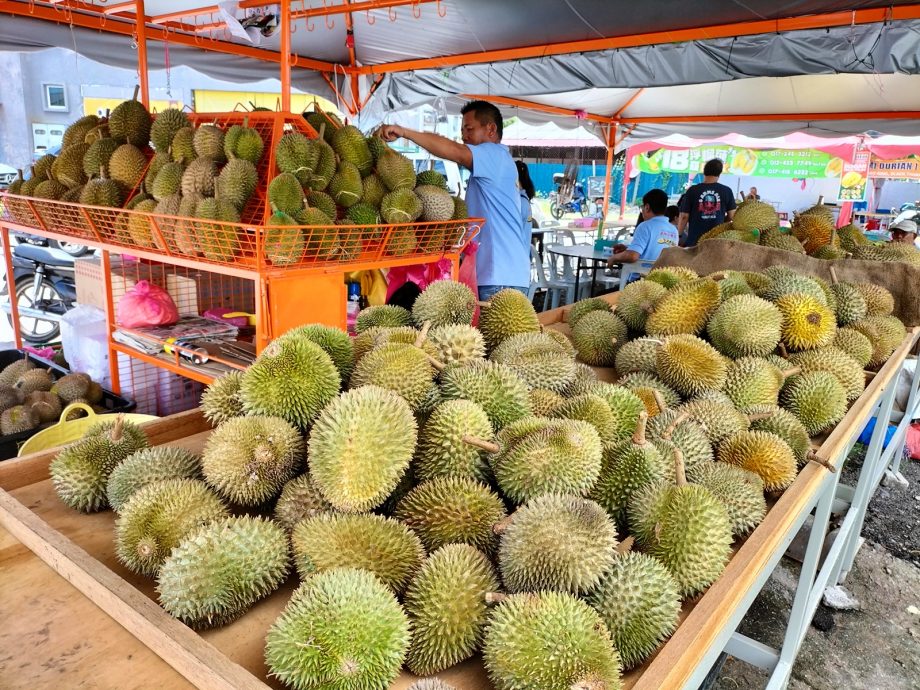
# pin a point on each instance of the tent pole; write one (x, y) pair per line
(140, 22)
(612, 130)
(285, 8)
(626, 170)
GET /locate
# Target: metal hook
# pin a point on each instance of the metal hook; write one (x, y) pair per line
(391, 13)
(442, 9)
(134, 41)
(370, 20)
(293, 28)
(416, 9)
(310, 25)
(327, 17)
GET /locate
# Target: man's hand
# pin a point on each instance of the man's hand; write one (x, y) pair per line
(390, 132)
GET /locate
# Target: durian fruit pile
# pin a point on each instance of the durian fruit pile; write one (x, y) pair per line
(30, 396)
(813, 232)
(441, 490)
(345, 178)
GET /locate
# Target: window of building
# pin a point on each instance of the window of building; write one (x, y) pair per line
(55, 97)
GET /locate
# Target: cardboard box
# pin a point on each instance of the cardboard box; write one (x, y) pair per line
(90, 283)
(176, 393)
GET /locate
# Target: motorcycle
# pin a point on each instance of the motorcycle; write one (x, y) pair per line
(568, 196)
(45, 288)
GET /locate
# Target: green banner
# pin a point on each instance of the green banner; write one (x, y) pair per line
(785, 163)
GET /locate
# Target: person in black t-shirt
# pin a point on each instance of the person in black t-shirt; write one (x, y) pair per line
(706, 205)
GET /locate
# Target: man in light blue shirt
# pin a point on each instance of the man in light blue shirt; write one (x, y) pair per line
(503, 259)
(652, 236)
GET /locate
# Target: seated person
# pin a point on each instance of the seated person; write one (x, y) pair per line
(904, 232)
(653, 235)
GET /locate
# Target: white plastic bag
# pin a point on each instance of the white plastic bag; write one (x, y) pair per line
(85, 338)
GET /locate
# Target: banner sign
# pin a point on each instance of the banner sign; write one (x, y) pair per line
(899, 169)
(777, 163)
(854, 177)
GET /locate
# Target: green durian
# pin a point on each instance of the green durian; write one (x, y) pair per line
(147, 466)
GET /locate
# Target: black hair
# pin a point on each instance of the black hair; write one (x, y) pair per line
(672, 212)
(524, 179)
(712, 168)
(657, 201)
(485, 113)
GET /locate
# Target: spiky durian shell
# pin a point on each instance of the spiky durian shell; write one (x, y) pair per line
(158, 516)
(686, 528)
(495, 387)
(292, 378)
(879, 301)
(17, 419)
(690, 365)
(752, 381)
(358, 633)
(807, 324)
(457, 344)
(627, 467)
(745, 326)
(447, 608)
(299, 500)
(444, 303)
(451, 510)
(637, 301)
(79, 473)
(360, 447)
(147, 466)
(685, 309)
(818, 399)
(582, 307)
(247, 460)
(639, 355)
(688, 435)
(376, 543)
(223, 400)
(335, 342)
(221, 569)
(639, 603)
(738, 489)
(671, 276)
(855, 344)
(884, 332)
(785, 425)
(847, 370)
(382, 315)
(509, 313)
(399, 367)
(540, 360)
(556, 542)
(441, 450)
(540, 456)
(718, 419)
(762, 453)
(549, 640)
(598, 336)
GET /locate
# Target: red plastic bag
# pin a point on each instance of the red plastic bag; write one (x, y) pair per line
(146, 304)
(467, 273)
(913, 440)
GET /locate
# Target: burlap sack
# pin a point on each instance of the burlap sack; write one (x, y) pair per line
(901, 279)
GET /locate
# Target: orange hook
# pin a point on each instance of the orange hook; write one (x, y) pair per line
(391, 13)
(370, 20)
(310, 25)
(442, 9)
(416, 10)
(330, 23)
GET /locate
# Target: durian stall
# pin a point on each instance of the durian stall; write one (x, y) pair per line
(467, 518)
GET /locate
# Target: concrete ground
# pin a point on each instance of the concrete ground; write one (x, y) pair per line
(876, 647)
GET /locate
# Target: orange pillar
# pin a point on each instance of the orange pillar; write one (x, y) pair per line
(140, 23)
(611, 142)
(285, 56)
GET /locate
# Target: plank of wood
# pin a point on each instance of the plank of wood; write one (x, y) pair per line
(53, 636)
(184, 650)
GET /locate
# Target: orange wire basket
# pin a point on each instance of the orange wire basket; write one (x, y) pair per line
(249, 244)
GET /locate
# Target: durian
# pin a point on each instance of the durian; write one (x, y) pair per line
(147, 466)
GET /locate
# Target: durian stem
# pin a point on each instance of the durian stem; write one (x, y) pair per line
(495, 597)
(833, 276)
(422, 334)
(717, 276)
(322, 130)
(435, 362)
(118, 428)
(483, 304)
(638, 438)
(137, 90)
(589, 684)
(481, 443)
(672, 427)
(826, 464)
(659, 400)
(679, 467)
(783, 352)
(757, 417)
(791, 372)
(502, 525)
(626, 545)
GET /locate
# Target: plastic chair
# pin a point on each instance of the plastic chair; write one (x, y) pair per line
(567, 276)
(552, 289)
(640, 267)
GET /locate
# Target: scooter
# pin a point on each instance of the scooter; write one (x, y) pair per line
(45, 289)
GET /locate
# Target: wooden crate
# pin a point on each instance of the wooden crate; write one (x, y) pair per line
(80, 548)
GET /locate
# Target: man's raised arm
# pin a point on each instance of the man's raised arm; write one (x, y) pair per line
(439, 146)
